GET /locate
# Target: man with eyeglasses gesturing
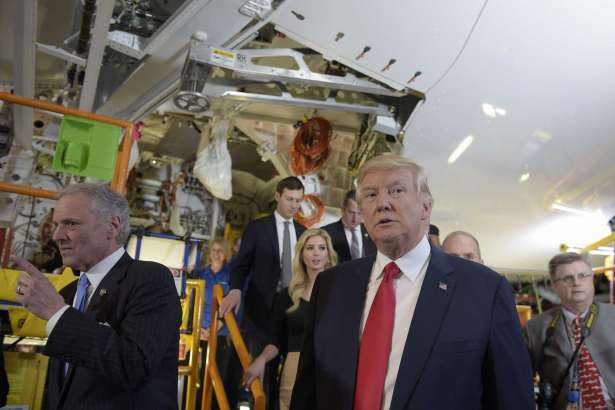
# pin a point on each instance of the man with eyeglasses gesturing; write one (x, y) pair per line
(573, 346)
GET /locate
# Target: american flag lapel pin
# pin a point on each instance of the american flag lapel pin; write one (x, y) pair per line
(442, 286)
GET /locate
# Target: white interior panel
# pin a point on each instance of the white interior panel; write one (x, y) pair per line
(420, 36)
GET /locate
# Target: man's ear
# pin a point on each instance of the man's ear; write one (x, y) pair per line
(114, 226)
(277, 196)
(426, 209)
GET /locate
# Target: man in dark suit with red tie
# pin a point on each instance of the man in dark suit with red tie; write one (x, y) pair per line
(348, 235)
(410, 327)
(114, 334)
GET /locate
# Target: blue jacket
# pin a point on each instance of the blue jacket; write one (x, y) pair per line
(212, 279)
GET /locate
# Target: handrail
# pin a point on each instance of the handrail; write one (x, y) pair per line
(604, 241)
(256, 387)
(60, 109)
(120, 175)
(604, 269)
(192, 369)
(27, 190)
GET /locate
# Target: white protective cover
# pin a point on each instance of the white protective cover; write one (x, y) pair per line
(213, 163)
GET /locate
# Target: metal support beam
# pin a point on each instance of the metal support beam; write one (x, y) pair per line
(104, 12)
(24, 68)
(61, 54)
(241, 63)
(229, 89)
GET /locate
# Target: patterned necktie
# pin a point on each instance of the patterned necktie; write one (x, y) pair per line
(354, 246)
(80, 300)
(287, 263)
(592, 396)
(376, 344)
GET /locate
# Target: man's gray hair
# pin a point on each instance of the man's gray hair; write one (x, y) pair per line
(107, 203)
(388, 162)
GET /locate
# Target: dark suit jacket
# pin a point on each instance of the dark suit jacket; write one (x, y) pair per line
(340, 243)
(558, 351)
(464, 348)
(123, 350)
(259, 253)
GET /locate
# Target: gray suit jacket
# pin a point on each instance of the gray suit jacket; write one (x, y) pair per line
(559, 349)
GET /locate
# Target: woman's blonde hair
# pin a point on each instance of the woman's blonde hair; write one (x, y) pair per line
(300, 278)
(222, 243)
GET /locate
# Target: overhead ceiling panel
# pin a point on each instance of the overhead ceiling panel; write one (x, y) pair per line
(369, 35)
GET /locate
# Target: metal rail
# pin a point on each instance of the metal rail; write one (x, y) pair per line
(120, 175)
(211, 375)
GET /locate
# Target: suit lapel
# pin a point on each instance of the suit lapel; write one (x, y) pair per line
(367, 241)
(349, 332)
(561, 334)
(435, 296)
(342, 239)
(273, 234)
(299, 229)
(100, 304)
(108, 289)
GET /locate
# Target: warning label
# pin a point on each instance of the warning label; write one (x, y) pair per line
(223, 57)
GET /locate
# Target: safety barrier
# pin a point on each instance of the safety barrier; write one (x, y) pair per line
(120, 175)
(211, 375)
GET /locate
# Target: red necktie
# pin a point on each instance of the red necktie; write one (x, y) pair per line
(376, 344)
(592, 396)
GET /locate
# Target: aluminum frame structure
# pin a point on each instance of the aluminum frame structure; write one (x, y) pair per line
(203, 58)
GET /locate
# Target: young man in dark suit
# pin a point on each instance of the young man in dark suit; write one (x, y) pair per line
(114, 334)
(267, 250)
(410, 328)
(349, 236)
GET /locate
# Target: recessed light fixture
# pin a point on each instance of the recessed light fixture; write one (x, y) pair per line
(463, 145)
(492, 111)
(489, 110)
(524, 177)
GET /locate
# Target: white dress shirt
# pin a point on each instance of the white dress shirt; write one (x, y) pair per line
(279, 225)
(348, 233)
(570, 318)
(95, 275)
(413, 266)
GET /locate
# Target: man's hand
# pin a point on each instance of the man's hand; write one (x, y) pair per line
(35, 292)
(232, 301)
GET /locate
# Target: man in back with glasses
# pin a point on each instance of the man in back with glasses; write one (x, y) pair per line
(573, 346)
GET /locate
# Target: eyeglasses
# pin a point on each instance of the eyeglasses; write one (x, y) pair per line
(569, 279)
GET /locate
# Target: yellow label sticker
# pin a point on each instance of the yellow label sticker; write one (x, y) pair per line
(223, 57)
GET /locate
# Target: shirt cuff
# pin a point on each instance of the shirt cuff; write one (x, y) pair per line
(53, 320)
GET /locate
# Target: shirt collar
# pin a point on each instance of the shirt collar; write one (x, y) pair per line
(97, 272)
(279, 219)
(356, 228)
(570, 317)
(410, 263)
